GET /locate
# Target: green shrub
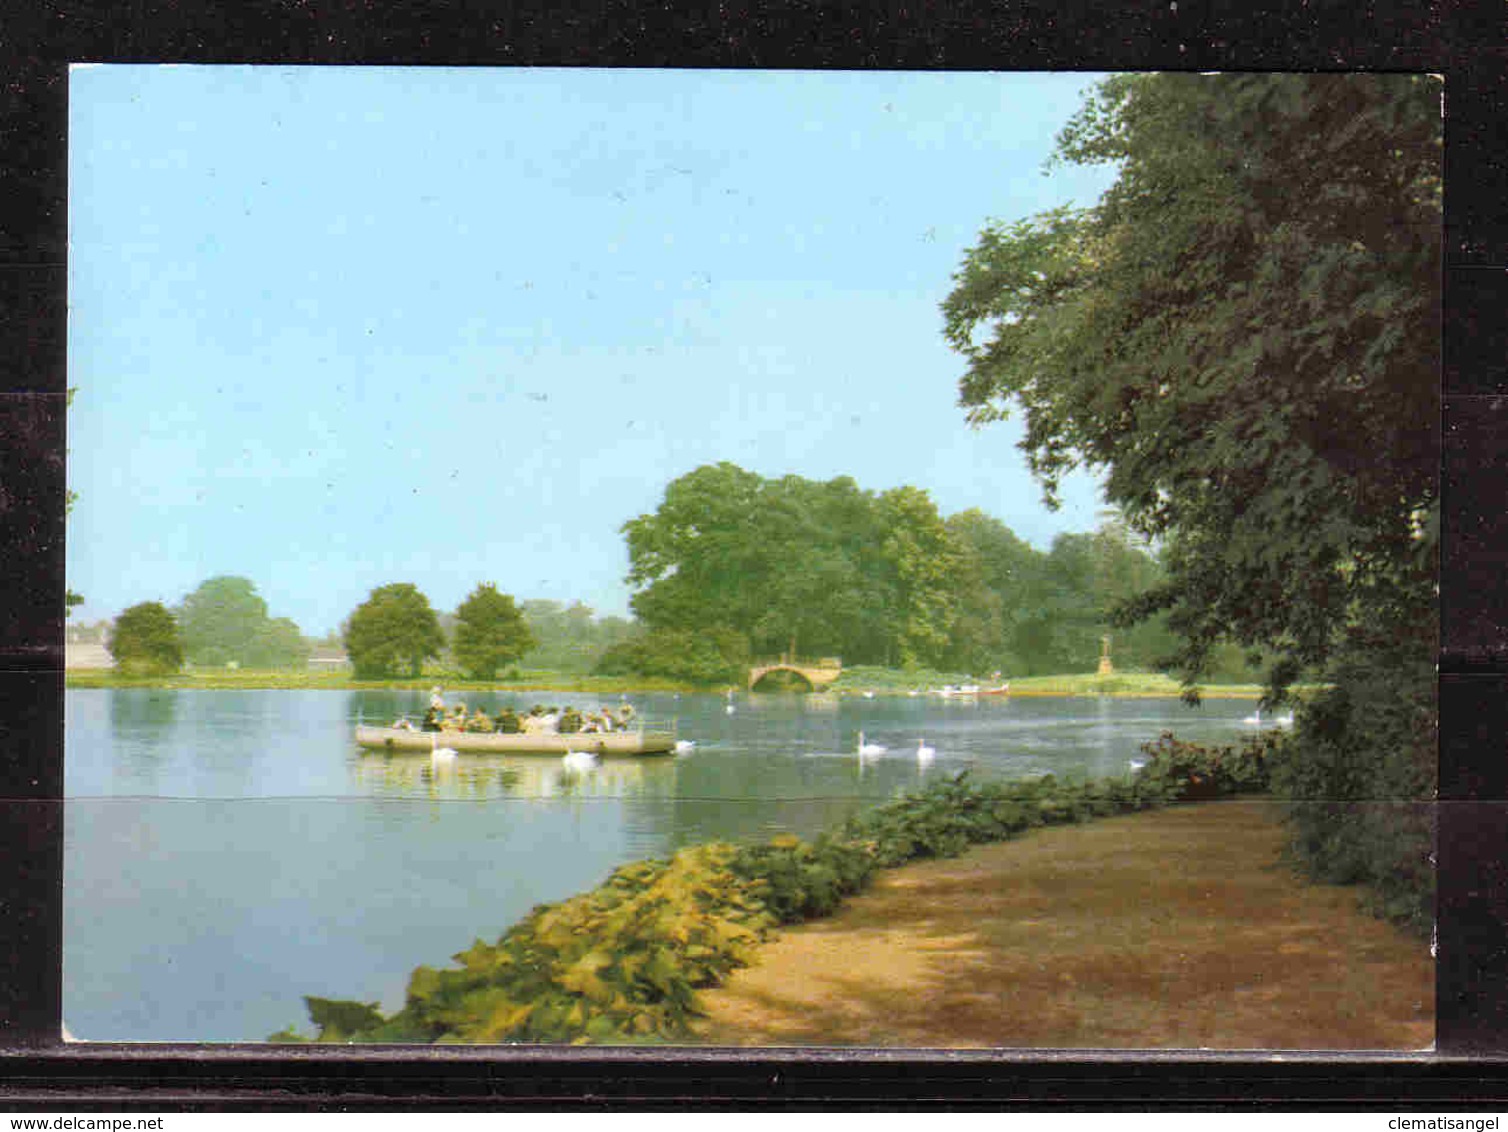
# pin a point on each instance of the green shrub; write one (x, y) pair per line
(1359, 779)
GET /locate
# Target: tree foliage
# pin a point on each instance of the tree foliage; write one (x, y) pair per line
(225, 620)
(392, 633)
(490, 632)
(145, 641)
(829, 569)
(1241, 337)
(570, 638)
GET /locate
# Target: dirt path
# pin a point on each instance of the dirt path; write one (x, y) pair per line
(1172, 929)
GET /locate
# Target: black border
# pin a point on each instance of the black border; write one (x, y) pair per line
(1466, 44)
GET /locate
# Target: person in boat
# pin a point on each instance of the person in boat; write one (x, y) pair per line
(507, 722)
(570, 722)
(480, 722)
(432, 719)
(403, 723)
(436, 700)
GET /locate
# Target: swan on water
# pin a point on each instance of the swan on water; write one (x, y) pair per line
(1254, 720)
(579, 760)
(438, 753)
(869, 748)
(1285, 720)
(924, 753)
(682, 746)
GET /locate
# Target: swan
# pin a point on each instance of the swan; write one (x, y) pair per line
(1285, 720)
(579, 760)
(924, 753)
(869, 695)
(869, 748)
(683, 746)
(1254, 720)
(438, 753)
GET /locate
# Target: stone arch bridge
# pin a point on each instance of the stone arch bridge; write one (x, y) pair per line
(818, 674)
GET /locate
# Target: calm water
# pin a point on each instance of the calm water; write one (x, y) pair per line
(230, 852)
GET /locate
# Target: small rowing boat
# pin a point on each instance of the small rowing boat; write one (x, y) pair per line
(639, 742)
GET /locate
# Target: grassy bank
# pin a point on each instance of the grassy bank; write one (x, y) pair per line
(298, 680)
(880, 681)
(624, 962)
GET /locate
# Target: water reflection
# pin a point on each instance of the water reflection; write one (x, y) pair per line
(143, 710)
(485, 775)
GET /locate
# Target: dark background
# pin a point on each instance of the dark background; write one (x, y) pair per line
(1465, 43)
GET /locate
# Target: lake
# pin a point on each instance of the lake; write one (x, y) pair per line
(227, 852)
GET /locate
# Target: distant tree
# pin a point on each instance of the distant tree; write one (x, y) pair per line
(225, 620)
(278, 644)
(570, 638)
(145, 641)
(708, 657)
(925, 564)
(490, 632)
(392, 633)
(220, 619)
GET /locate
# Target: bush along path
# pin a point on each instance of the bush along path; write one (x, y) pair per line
(622, 964)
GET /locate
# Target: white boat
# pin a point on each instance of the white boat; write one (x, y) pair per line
(637, 742)
(956, 691)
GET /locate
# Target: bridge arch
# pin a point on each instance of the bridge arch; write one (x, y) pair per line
(817, 674)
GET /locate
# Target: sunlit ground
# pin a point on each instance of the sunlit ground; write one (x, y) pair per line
(1172, 929)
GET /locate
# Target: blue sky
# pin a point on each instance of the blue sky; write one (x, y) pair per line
(333, 328)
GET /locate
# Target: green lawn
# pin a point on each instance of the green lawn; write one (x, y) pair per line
(854, 680)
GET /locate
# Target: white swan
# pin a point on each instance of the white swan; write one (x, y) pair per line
(579, 760)
(684, 746)
(869, 748)
(924, 753)
(438, 753)
(1254, 720)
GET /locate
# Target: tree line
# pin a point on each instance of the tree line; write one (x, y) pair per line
(733, 566)
(393, 633)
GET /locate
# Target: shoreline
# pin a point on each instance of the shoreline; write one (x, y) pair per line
(1035, 687)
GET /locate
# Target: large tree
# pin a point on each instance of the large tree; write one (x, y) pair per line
(1242, 336)
(392, 633)
(490, 632)
(144, 641)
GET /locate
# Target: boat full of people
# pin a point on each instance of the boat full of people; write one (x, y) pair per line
(541, 730)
